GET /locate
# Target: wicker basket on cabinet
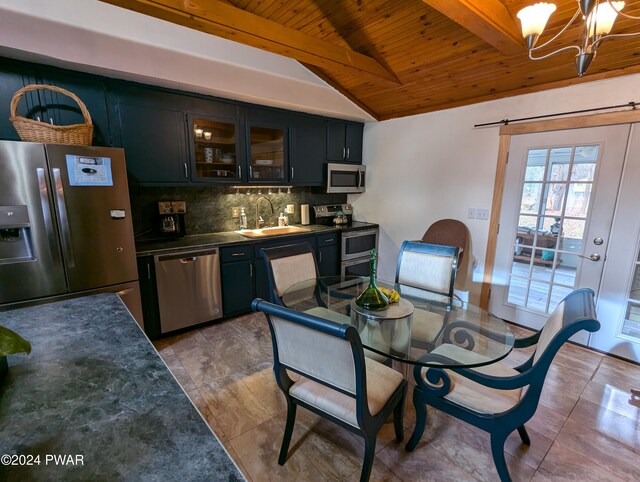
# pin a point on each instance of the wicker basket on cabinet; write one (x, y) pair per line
(36, 131)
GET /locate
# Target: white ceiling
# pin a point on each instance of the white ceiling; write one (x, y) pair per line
(99, 38)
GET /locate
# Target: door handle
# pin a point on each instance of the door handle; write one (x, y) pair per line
(64, 218)
(592, 257)
(44, 203)
(192, 259)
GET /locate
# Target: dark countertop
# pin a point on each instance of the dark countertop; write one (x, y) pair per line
(146, 247)
(94, 386)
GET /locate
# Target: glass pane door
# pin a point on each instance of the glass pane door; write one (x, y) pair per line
(214, 149)
(267, 146)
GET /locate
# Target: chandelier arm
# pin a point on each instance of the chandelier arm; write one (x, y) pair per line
(555, 52)
(597, 43)
(555, 36)
(620, 12)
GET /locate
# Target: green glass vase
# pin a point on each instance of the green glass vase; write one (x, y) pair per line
(372, 298)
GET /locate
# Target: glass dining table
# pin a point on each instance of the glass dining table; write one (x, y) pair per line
(422, 328)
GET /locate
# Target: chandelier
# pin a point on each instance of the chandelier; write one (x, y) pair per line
(597, 17)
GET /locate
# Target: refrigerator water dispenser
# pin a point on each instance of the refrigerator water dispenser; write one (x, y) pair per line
(15, 235)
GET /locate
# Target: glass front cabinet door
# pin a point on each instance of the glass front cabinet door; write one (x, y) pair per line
(267, 153)
(215, 156)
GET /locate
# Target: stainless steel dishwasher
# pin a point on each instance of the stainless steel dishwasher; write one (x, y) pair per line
(188, 288)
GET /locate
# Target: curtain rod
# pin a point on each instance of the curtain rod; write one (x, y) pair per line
(505, 122)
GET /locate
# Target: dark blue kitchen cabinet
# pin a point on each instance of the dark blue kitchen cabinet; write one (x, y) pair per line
(151, 127)
(62, 110)
(238, 278)
(267, 145)
(13, 76)
(149, 296)
(344, 141)
(328, 254)
(308, 151)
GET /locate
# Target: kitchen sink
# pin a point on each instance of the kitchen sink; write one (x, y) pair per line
(274, 231)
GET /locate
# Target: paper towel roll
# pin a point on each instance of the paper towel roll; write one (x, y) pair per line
(304, 214)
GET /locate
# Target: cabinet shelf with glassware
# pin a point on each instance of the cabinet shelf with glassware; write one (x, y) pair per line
(214, 149)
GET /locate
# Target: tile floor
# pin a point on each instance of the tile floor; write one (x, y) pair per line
(584, 428)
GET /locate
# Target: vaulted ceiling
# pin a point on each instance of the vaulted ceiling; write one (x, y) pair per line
(404, 57)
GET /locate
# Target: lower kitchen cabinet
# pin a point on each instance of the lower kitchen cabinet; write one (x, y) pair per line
(238, 278)
(149, 296)
(328, 254)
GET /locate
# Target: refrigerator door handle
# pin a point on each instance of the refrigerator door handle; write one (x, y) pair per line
(64, 219)
(44, 203)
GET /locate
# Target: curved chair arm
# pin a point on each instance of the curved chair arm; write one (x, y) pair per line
(527, 340)
(500, 383)
(438, 382)
(461, 336)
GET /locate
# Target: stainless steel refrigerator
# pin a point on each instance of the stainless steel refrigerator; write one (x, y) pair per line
(65, 224)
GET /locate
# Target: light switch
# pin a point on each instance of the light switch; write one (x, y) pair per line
(291, 208)
(472, 213)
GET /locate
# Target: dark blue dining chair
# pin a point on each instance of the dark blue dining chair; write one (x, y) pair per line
(335, 381)
(430, 267)
(497, 398)
(288, 265)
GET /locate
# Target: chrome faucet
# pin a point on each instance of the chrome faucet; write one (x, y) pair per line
(259, 219)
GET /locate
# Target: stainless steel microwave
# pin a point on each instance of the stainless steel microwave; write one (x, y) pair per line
(347, 178)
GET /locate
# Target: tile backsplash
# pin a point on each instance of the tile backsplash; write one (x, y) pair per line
(209, 207)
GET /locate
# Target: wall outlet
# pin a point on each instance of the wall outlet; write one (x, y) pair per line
(482, 214)
(235, 212)
(291, 208)
(472, 213)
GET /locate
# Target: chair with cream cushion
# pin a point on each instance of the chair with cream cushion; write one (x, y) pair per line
(494, 397)
(429, 267)
(287, 266)
(335, 380)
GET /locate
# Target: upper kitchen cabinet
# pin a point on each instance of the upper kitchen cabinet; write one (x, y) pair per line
(62, 110)
(14, 76)
(308, 151)
(344, 141)
(216, 143)
(150, 125)
(267, 134)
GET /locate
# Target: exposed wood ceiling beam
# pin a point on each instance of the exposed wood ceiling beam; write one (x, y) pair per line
(488, 19)
(223, 20)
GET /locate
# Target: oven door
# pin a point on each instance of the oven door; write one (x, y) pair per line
(355, 267)
(358, 244)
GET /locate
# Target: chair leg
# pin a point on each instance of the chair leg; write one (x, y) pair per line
(421, 421)
(398, 415)
(524, 436)
(497, 450)
(369, 455)
(288, 431)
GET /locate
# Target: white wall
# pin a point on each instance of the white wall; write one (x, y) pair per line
(437, 165)
(95, 37)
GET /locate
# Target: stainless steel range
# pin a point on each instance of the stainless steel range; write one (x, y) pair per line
(358, 239)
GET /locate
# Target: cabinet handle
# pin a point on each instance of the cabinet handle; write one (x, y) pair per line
(148, 271)
(292, 173)
(237, 254)
(51, 121)
(330, 240)
(240, 172)
(250, 173)
(320, 257)
(186, 170)
(348, 152)
(344, 152)
(250, 270)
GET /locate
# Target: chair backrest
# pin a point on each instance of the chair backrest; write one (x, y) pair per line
(574, 313)
(448, 232)
(428, 266)
(327, 352)
(286, 266)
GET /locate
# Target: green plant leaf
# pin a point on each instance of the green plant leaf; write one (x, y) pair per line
(11, 342)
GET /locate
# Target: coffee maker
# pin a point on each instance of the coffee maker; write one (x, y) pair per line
(171, 217)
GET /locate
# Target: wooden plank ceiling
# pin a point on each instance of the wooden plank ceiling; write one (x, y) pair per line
(404, 57)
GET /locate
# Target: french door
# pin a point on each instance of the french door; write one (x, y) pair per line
(558, 206)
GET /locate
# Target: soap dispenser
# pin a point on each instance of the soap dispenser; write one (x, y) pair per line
(243, 219)
(282, 220)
